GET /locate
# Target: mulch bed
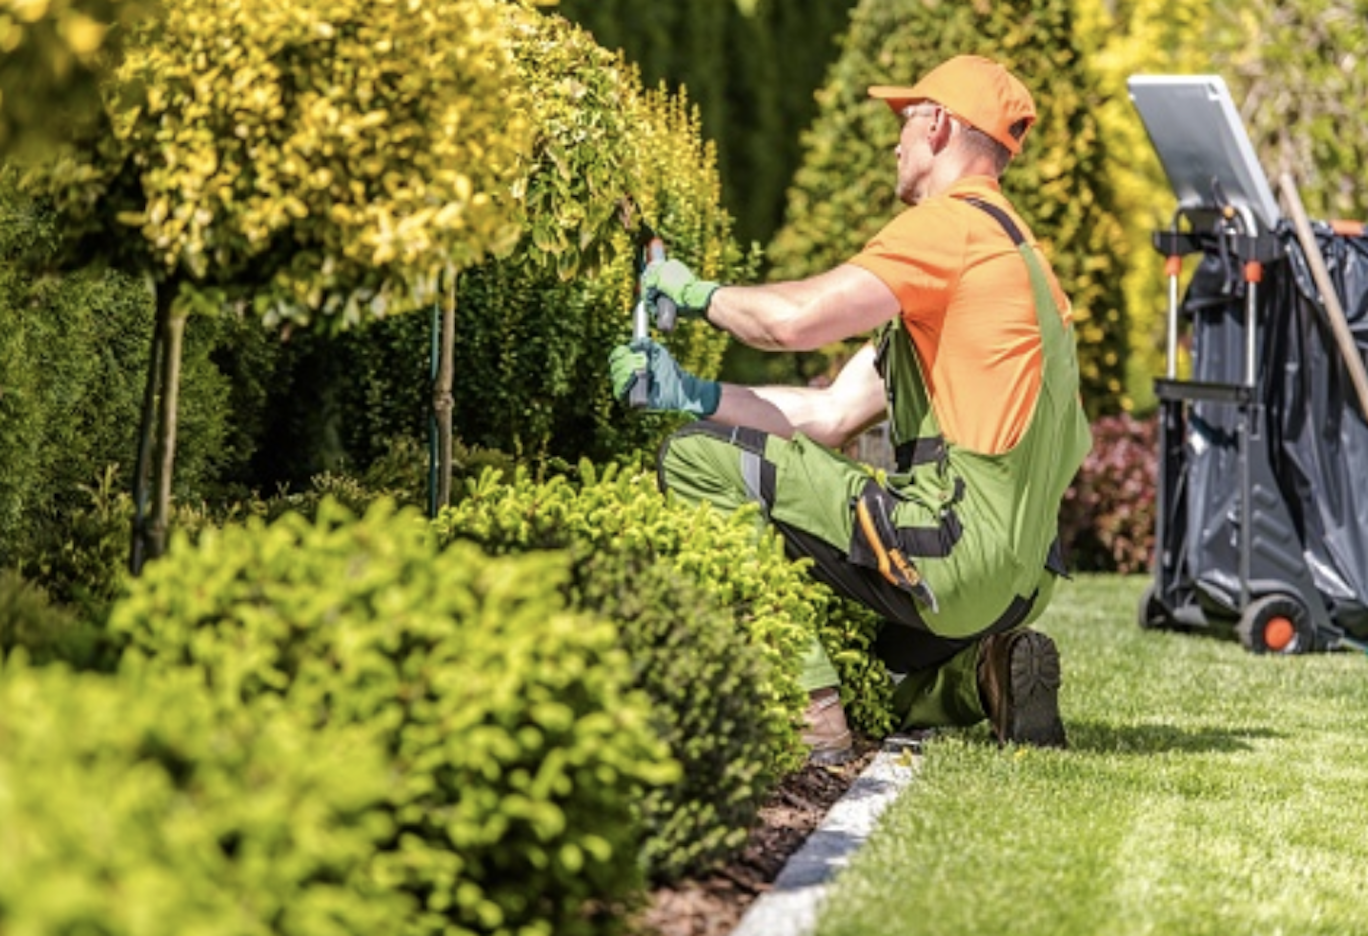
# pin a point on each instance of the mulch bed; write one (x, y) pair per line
(712, 905)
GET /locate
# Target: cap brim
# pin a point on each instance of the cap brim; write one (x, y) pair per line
(894, 96)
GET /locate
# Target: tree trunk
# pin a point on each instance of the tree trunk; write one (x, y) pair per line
(138, 548)
(172, 326)
(442, 401)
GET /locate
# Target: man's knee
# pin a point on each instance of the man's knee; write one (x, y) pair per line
(724, 465)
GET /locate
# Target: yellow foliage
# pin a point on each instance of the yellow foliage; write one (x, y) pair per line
(327, 158)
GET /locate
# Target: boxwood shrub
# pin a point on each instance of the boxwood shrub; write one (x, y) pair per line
(137, 808)
(770, 609)
(707, 684)
(770, 600)
(519, 749)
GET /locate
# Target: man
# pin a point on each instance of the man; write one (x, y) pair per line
(972, 363)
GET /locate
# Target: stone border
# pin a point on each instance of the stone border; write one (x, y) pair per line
(790, 906)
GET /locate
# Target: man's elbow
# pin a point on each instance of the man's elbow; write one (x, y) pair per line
(793, 333)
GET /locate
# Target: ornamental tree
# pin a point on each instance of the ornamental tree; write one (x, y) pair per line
(319, 162)
(529, 356)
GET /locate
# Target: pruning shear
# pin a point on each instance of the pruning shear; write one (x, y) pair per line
(649, 249)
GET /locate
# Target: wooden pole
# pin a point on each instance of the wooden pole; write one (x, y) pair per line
(172, 324)
(443, 403)
(138, 548)
(1338, 322)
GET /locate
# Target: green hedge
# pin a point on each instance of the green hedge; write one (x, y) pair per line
(707, 685)
(134, 808)
(518, 749)
(534, 327)
(73, 369)
(772, 600)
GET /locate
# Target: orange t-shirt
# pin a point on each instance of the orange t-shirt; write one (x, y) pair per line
(966, 302)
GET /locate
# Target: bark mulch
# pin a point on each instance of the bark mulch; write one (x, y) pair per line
(712, 905)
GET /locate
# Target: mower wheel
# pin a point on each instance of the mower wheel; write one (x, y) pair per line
(1152, 615)
(1275, 624)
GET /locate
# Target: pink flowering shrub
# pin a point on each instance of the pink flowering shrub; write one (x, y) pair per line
(1107, 519)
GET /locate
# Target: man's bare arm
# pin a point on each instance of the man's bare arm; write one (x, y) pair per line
(829, 415)
(803, 315)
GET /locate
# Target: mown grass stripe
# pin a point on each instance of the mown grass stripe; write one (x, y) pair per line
(1207, 791)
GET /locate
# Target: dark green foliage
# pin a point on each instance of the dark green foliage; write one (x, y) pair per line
(339, 403)
(844, 191)
(1107, 520)
(132, 808)
(517, 748)
(398, 475)
(707, 685)
(73, 368)
(45, 631)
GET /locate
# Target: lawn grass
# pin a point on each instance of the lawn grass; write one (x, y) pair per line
(1206, 791)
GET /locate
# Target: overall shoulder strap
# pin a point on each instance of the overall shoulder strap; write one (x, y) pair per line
(1000, 216)
(1053, 333)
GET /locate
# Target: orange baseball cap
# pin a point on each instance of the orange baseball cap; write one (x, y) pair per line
(977, 90)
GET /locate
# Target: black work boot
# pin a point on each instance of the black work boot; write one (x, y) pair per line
(1018, 679)
(826, 731)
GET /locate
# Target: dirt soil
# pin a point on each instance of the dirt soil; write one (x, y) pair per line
(713, 905)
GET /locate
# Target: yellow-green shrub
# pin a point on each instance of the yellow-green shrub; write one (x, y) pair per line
(708, 688)
(133, 807)
(320, 159)
(773, 601)
(723, 555)
(517, 748)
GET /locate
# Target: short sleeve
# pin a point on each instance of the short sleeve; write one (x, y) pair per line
(919, 255)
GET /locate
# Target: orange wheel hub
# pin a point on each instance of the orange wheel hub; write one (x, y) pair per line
(1279, 633)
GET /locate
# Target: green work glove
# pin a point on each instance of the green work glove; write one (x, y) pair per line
(673, 279)
(671, 388)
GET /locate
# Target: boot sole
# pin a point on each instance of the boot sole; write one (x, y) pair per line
(1035, 680)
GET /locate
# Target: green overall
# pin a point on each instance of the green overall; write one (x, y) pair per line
(964, 538)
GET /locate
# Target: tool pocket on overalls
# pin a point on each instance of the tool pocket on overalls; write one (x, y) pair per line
(877, 542)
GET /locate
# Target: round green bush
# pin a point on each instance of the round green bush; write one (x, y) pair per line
(135, 807)
(518, 748)
(707, 684)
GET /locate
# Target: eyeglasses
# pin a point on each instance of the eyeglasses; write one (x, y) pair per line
(917, 110)
(926, 108)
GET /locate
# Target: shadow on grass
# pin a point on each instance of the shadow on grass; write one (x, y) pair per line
(1105, 738)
